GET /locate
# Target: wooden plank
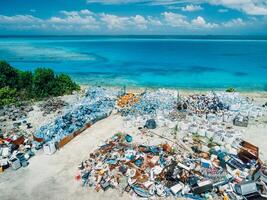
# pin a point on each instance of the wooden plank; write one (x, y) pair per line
(65, 140)
(38, 139)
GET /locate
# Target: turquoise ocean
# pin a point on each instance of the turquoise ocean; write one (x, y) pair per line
(187, 62)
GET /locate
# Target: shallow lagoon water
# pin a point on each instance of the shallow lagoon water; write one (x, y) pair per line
(148, 62)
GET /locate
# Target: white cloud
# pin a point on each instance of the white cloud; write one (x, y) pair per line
(69, 13)
(18, 19)
(250, 7)
(85, 20)
(153, 21)
(76, 13)
(192, 8)
(234, 23)
(131, 22)
(177, 20)
(86, 12)
(82, 19)
(140, 22)
(75, 20)
(114, 21)
(174, 19)
(200, 22)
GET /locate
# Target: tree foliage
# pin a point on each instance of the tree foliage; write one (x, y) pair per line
(7, 96)
(25, 80)
(64, 85)
(9, 76)
(26, 85)
(43, 82)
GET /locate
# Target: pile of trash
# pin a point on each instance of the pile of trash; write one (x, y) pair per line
(13, 116)
(52, 105)
(127, 100)
(204, 104)
(166, 106)
(163, 171)
(223, 107)
(96, 105)
(95, 94)
(240, 105)
(156, 104)
(15, 149)
(212, 130)
(16, 112)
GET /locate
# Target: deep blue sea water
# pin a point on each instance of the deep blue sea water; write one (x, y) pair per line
(177, 62)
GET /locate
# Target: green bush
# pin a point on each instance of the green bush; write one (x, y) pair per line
(43, 82)
(7, 96)
(64, 85)
(46, 84)
(230, 89)
(25, 80)
(9, 76)
(27, 85)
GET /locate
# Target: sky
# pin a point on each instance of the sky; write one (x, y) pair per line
(159, 17)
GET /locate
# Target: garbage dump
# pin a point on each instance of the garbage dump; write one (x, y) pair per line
(152, 105)
(164, 170)
(52, 105)
(166, 107)
(97, 104)
(15, 149)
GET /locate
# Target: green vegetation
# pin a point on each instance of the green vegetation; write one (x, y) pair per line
(7, 96)
(230, 89)
(25, 85)
(175, 131)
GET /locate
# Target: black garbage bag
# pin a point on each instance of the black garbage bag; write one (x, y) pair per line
(151, 124)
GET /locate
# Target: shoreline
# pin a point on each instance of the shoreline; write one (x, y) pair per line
(182, 91)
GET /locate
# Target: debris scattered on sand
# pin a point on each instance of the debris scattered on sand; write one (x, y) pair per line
(14, 116)
(52, 105)
(15, 149)
(160, 170)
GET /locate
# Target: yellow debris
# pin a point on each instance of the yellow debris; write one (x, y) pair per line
(128, 99)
